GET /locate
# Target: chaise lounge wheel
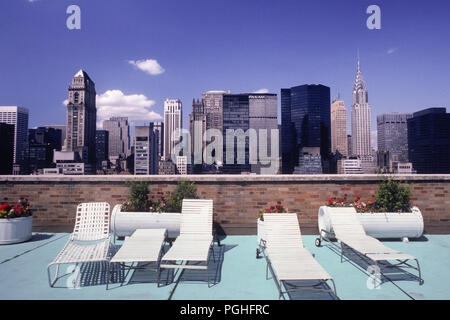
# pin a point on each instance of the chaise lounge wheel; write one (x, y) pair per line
(318, 242)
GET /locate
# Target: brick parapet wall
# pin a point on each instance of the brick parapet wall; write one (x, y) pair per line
(237, 199)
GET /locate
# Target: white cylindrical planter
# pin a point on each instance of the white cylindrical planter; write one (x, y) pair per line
(123, 224)
(15, 230)
(381, 224)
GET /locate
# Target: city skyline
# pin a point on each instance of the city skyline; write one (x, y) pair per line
(390, 56)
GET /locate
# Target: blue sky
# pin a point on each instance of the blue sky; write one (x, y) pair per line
(237, 45)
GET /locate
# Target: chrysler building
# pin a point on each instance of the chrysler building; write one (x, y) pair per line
(361, 119)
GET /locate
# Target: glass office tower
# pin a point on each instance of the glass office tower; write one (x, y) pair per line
(429, 141)
(305, 124)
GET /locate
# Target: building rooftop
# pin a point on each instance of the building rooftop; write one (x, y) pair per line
(237, 274)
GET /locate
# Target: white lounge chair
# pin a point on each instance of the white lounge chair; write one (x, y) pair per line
(195, 242)
(348, 231)
(287, 259)
(90, 239)
(144, 246)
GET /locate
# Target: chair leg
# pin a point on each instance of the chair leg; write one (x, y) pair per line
(334, 287)
(207, 268)
(420, 274)
(212, 249)
(280, 291)
(159, 275)
(108, 275)
(50, 281)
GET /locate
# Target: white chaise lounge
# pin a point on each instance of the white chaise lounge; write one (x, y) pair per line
(191, 249)
(286, 257)
(348, 231)
(89, 241)
(143, 247)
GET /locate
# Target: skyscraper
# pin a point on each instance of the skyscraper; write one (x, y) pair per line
(119, 136)
(392, 135)
(43, 142)
(101, 146)
(146, 150)
(61, 127)
(47, 135)
(235, 117)
(305, 126)
(429, 141)
(250, 111)
(263, 115)
(361, 119)
(213, 109)
(197, 128)
(6, 148)
(172, 126)
(158, 128)
(18, 117)
(81, 118)
(349, 144)
(339, 140)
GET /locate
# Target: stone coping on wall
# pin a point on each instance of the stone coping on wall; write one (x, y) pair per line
(321, 178)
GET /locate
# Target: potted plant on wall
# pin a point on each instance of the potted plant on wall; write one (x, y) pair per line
(141, 212)
(389, 214)
(15, 222)
(278, 208)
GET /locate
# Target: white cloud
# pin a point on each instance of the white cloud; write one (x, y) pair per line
(134, 106)
(263, 90)
(116, 103)
(392, 50)
(149, 66)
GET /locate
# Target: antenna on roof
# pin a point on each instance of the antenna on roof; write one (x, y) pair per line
(358, 58)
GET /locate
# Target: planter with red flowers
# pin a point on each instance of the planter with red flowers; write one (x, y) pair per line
(15, 222)
(260, 230)
(389, 213)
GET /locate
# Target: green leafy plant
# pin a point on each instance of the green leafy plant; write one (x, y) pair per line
(138, 199)
(184, 190)
(391, 196)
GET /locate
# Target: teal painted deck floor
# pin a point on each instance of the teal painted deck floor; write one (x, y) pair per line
(237, 274)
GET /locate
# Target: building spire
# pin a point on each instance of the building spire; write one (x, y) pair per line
(359, 66)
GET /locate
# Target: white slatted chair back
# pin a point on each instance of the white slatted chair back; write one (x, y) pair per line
(345, 222)
(196, 217)
(91, 222)
(197, 206)
(282, 230)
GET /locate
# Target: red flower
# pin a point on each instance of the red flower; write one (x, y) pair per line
(330, 201)
(4, 206)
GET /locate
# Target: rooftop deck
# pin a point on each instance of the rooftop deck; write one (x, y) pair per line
(236, 274)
